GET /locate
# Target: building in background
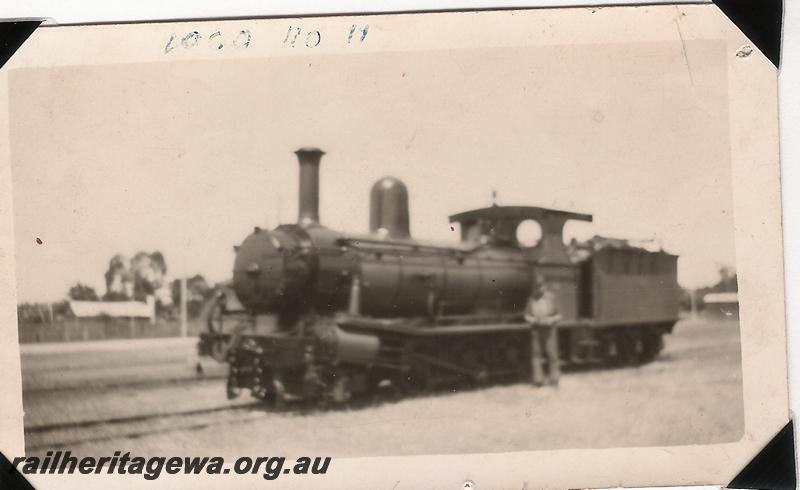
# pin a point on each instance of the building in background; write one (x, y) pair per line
(721, 306)
(115, 309)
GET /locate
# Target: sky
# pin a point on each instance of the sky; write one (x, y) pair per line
(187, 157)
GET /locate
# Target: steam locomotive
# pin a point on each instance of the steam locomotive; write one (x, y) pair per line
(317, 314)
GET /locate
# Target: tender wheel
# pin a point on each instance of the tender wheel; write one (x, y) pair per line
(629, 348)
(653, 344)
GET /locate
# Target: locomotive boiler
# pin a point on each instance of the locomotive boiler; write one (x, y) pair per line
(314, 313)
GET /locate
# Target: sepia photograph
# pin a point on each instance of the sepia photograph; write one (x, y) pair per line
(296, 237)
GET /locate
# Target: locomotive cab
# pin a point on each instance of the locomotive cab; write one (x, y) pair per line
(499, 224)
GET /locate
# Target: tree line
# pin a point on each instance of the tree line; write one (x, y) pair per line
(131, 279)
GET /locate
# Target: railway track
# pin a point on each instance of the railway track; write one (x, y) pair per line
(68, 434)
(116, 384)
(78, 434)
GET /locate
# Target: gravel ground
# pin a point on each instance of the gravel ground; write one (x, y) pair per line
(691, 394)
(110, 364)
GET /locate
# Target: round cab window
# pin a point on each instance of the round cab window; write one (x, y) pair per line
(529, 232)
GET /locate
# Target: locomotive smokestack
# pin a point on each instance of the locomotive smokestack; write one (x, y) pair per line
(308, 210)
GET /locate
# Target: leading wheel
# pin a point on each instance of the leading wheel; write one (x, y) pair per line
(215, 315)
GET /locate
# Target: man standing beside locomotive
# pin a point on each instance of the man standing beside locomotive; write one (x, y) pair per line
(542, 314)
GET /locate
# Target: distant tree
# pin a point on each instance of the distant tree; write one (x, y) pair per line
(82, 292)
(175, 290)
(61, 309)
(159, 261)
(197, 292)
(727, 281)
(118, 279)
(41, 312)
(136, 279)
(148, 270)
(33, 313)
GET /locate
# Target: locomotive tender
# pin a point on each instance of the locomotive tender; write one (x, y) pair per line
(319, 314)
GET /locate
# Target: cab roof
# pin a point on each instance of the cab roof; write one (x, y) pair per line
(517, 213)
